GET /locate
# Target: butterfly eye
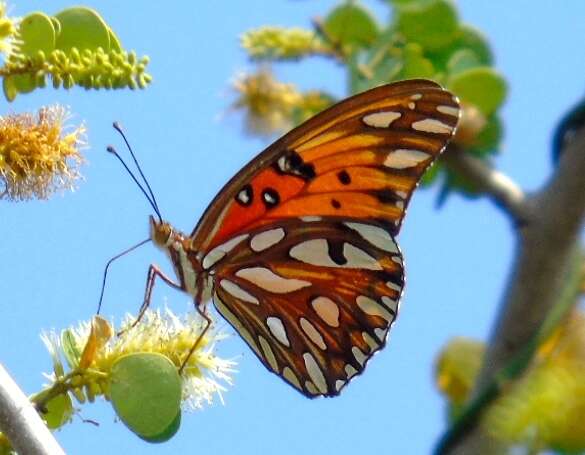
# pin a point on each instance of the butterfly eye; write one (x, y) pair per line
(160, 232)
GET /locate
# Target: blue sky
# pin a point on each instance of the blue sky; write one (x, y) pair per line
(53, 253)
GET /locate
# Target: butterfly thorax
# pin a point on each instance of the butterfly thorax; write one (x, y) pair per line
(178, 247)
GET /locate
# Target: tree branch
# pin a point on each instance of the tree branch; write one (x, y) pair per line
(20, 422)
(494, 184)
(547, 241)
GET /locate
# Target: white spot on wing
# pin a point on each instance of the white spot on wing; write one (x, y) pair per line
(404, 158)
(411, 106)
(327, 310)
(431, 125)
(393, 286)
(339, 384)
(381, 333)
(237, 292)
(416, 97)
(313, 334)
(311, 388)
(291, 377)
(371, 342)
(359, 259)
(270, 281)
(381, 119)
(221, 250)
(315, 372)
(373, 308)
(375, 235)
(359, 355)
(268, 353)
(350, 371)
(402, 194)
(390, 303)
(310, 218)
(449, 110)
(277, 329)
(316, 252)
(266, 239)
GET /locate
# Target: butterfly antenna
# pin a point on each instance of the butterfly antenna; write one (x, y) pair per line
(118, 128)
(114, 152)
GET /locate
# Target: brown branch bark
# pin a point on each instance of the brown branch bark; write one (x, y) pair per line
(548, 234)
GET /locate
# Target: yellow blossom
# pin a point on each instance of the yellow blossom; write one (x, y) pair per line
(7, 31)
(204, 375)
(282, 43)
(37, 155)
(268, 103)
(545, 408)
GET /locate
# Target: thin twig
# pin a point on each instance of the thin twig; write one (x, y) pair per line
(20, 422)
(494, 184)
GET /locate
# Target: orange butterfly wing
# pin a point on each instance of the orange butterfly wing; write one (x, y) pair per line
(362, 158)
(299, 244)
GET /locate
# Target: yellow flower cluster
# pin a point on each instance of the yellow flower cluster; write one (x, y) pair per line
(7, 31)
(272, 106)
(157, 332)
(37, 157)
(282, 43)
(545, 408)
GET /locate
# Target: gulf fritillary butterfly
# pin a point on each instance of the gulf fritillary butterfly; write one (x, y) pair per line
(298, 251)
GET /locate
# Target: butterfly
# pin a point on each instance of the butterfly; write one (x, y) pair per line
(298, 250)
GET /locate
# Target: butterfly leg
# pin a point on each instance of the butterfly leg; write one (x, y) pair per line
(153, 272)
(203, 313)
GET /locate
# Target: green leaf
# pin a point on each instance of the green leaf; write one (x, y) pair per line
(168, 433)
(145, 391)
(82, 28)
(483, 87)
(351, 25)
(37, 33)
(462, 60)
(472, 39)
(58, 411)
(70, 348)
(115, 44)
(415, 64)
(432, 24)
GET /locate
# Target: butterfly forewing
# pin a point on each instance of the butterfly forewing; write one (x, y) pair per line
(360, 159)
(313, 299)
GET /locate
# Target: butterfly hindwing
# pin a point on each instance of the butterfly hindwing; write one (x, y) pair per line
(314, 298)
(360, 159)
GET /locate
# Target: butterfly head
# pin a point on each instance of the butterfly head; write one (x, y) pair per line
(161, 233)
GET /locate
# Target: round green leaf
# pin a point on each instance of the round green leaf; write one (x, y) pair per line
(483, 87)
(59, 411)
(415, 64)
(82, 28)
(433, 24)
(115, 44)
(145, 390)
(37, 33)
(472, 39)
(462, 60)
(168, 433)
(351, 25)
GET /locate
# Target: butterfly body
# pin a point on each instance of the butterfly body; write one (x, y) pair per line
(298, 252)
